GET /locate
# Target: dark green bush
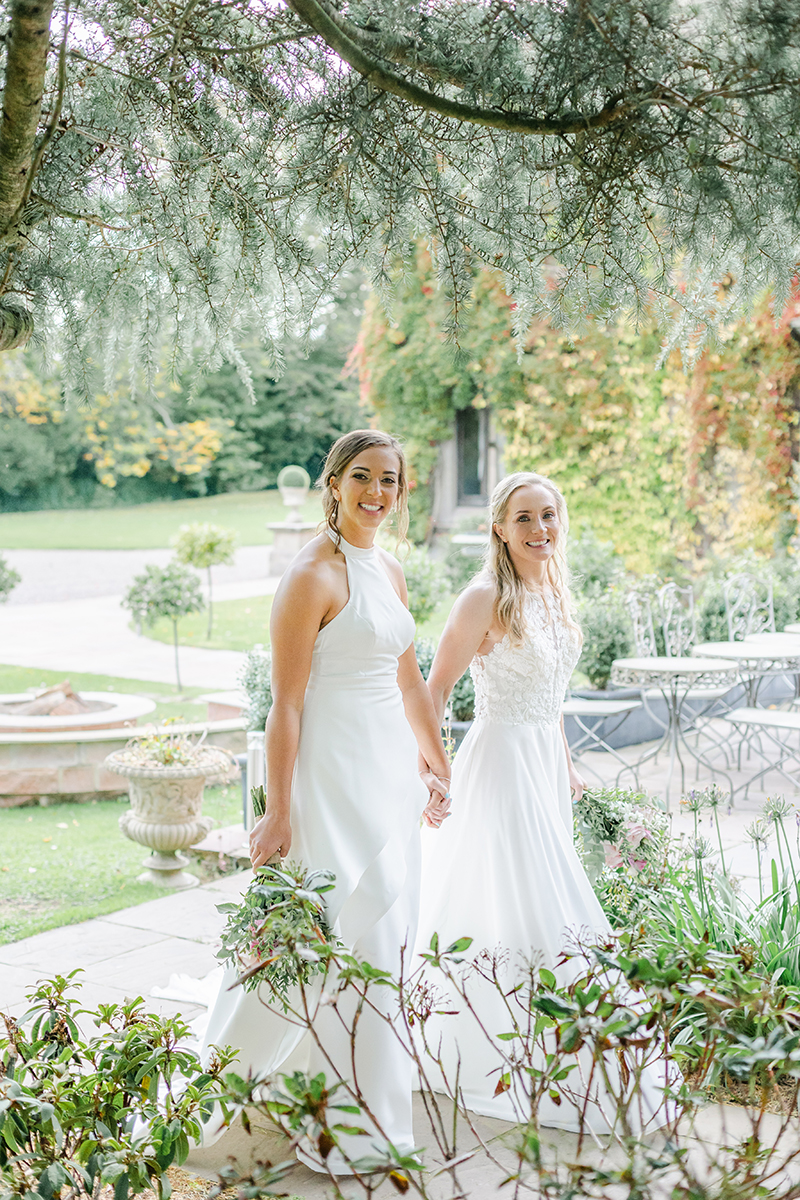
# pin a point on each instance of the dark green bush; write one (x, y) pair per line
(74, 1109)
(606, 635)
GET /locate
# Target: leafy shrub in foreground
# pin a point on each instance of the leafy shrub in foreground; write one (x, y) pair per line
(79, 1112)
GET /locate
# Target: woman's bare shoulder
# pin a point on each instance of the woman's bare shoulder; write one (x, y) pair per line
(479, 597)
(311, 569)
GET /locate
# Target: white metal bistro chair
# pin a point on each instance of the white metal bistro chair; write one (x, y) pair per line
(594, 720)
(676, 616)
(748, 605)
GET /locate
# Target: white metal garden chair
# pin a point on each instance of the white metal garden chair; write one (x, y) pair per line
(748, 605)
(675, 613)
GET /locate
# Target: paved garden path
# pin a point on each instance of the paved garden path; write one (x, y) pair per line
(65, 615)
(50, 575)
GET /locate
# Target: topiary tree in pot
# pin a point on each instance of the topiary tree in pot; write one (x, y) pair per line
(172, 592)
(203, 546)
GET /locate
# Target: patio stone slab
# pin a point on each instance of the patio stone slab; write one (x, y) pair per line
(151, 966)
(191, 914)
(58, 951)
(231, 885)
(15, 981)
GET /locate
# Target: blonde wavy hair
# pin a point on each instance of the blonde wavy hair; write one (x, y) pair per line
(512, 591)
(338, 459)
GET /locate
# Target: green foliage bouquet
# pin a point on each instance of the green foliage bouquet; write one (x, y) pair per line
(625, 843)
(279, 934)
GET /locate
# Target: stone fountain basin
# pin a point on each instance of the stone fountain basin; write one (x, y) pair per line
(69, 764)
(115, 710)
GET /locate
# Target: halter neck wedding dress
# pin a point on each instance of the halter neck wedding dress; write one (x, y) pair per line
(503, 869)
(357, 801)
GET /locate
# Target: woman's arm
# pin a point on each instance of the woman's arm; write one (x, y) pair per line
(433, 761)
(467, 628)
(577, 784)
(421, 717)
(300, 605)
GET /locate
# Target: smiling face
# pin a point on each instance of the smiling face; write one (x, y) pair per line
(367, 490)
(530, 528)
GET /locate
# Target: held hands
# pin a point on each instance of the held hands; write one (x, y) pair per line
(577, 784)
(270, 835)
(438, 804)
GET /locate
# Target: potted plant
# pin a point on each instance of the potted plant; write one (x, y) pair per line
(172, 591)
(167, 773)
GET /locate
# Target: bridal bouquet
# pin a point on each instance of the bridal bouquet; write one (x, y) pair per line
(279, 934)
(622, 829)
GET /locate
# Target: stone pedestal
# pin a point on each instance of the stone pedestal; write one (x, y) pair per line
(165, 810)
(289, 539)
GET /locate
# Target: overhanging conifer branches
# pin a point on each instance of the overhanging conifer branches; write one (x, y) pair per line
(229, 159)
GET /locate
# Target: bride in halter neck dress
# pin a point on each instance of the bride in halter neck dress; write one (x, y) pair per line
(350, 714)
(504, 870)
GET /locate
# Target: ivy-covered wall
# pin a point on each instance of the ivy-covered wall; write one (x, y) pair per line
(668, 466)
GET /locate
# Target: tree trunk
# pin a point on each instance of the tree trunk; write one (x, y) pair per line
(28, 42)
(175, 640)
(16, 327)
(208, 635)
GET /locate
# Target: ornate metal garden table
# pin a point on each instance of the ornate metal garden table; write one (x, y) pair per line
(675, 678)
(758, 656)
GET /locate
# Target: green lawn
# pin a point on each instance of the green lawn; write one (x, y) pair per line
(169, 703)
(240, 624)
(69, 862)
(146, 526)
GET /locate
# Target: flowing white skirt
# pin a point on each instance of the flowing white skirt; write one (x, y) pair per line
(503, 870)
(356, 807)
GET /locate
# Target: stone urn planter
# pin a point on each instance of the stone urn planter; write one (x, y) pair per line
(166, 802)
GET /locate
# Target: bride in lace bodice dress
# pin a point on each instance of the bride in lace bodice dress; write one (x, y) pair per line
(503, 870)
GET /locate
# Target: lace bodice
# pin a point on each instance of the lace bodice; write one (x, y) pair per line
(525, 685)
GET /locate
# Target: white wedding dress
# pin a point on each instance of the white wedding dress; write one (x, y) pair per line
(357, 801)
(503, 869)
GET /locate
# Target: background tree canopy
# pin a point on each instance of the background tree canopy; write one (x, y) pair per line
(194, 434)
(222, 163)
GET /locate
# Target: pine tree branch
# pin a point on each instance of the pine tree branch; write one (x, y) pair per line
(337, 35)
(28, 46)
(403, 51)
